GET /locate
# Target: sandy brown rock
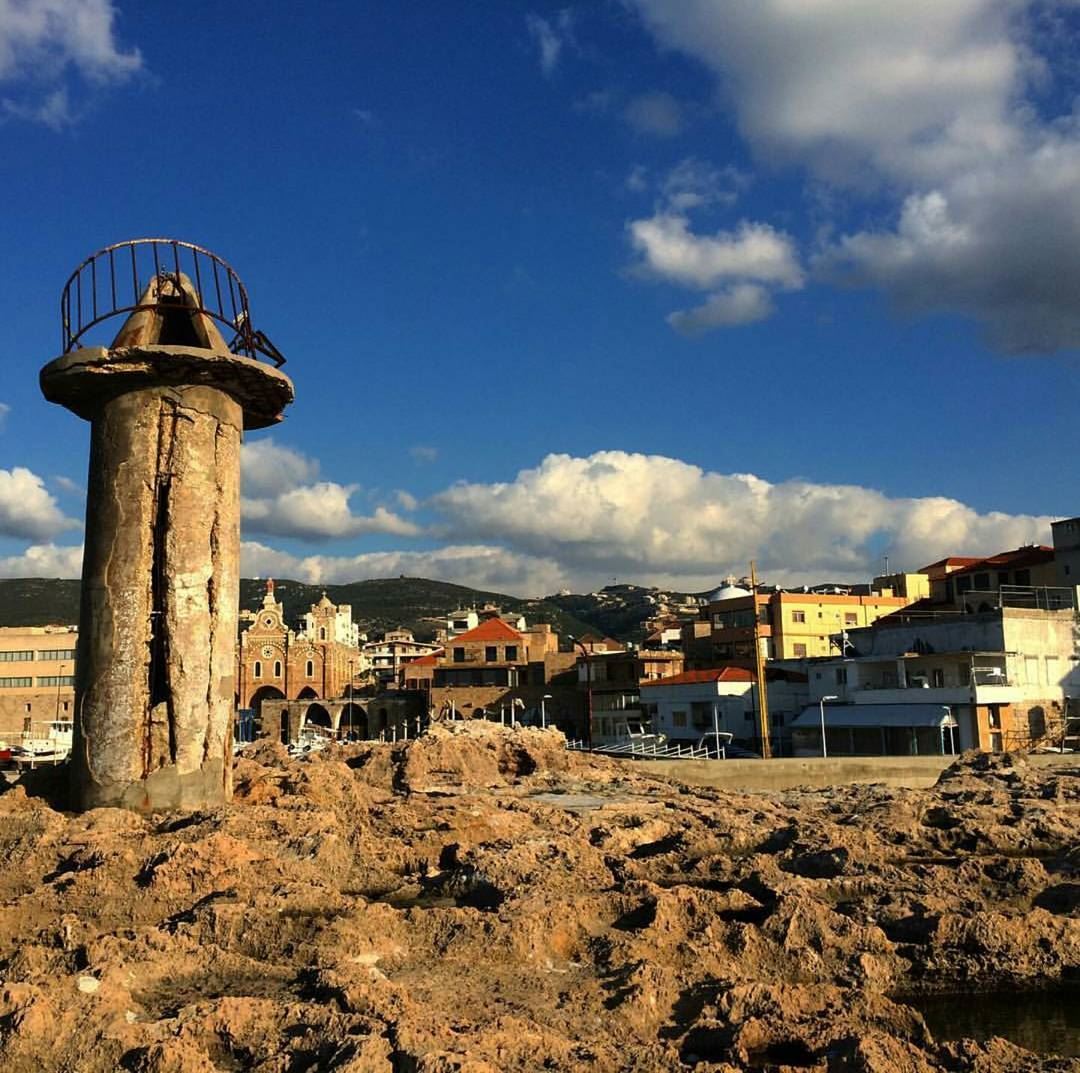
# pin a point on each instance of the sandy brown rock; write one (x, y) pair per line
(481, 900)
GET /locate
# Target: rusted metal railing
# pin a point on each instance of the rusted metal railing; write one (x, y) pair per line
(113, 281)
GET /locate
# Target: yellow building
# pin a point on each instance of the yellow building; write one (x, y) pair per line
(791, 625)
(37, 676)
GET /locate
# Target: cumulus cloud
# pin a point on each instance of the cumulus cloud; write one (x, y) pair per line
(665, 521)
(282, 497)
(27, 509)
(657, 114)
(934, 105)
(550, 37)
(754, 251)
(44, 560)
(476, 565)
(268, 469)
(742, 303)
(45, 42)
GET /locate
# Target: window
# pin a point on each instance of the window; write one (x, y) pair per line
(16, 683)
(799, 650)
(322, 633)
(309, 670)
(981, 581)
(491, 654)
(678, 719)
(67, 704)
(55, 654)
(277, 668)
(56, 680)
(459, 655)
(511, 653)
(937, 677)
(28, 706)
(798, 616)
(15, 657)
(841, 676)
(1023, 577)
(460, 624)
(993, 717)
(851, 618)
(257, 672)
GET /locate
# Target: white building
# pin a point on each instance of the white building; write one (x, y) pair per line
(690, 705)
(1006, 676)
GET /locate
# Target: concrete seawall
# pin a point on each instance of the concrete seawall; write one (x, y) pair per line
(913, 772)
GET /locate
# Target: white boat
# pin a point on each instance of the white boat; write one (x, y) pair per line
(44, 743)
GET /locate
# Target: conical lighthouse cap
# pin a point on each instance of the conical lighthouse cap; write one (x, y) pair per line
(170, 314)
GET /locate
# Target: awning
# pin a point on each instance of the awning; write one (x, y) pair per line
(875, 715)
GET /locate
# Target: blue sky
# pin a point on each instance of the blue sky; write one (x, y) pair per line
(634, 289)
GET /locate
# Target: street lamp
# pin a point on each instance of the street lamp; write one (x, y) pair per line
(543, 710)
(821, 705)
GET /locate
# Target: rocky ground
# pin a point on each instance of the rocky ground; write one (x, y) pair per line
(481, 900)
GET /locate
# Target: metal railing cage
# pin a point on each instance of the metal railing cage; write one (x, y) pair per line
(112, 281)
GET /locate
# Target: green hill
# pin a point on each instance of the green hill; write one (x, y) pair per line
(378, 605)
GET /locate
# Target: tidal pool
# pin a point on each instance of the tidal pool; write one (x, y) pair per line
(1047, 1022)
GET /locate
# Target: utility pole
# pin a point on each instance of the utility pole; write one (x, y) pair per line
(759, 663)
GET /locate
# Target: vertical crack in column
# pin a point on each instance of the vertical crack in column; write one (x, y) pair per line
(158, 747)
(212, 685)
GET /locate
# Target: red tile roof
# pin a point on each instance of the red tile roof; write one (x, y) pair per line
(430, 660)
(714, 674)
(492, 629)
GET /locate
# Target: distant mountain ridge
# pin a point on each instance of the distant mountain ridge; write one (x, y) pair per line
(418, 604)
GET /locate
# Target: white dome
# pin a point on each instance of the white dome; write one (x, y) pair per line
(727, 592)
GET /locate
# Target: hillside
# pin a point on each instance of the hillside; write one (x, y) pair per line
(381, 604)
(418, 604)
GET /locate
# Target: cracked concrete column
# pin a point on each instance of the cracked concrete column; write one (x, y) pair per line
(154, 689)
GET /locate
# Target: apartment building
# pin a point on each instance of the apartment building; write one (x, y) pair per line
(37, 676)
(1001, 678)
(611, 683)
(791, 624)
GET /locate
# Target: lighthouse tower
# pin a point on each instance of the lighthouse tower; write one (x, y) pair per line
(167, 403)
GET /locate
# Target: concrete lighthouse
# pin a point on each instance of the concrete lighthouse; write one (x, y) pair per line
(167, 403)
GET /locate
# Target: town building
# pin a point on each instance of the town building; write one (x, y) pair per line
(497, 671)
(1066, 539)
(688, 706)
(387, 655)
(998, 678)
(319, 662)
(37, 677)
(791, 624)
(611, 681)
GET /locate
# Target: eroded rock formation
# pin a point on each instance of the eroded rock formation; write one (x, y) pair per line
(481, 900)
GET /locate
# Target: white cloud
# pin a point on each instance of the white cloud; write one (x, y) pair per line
(932, 107)
(658, 114)
(5, 410)
(663, 521)
(318, 512)
(268, 469)
(693, 183)
(742, 303)
(754, 251)
(476, 565)
(27, 509)
(909, 89)
(550, 37)
(69, 486)
(283, 498)
(44, 560)
(43, 42)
